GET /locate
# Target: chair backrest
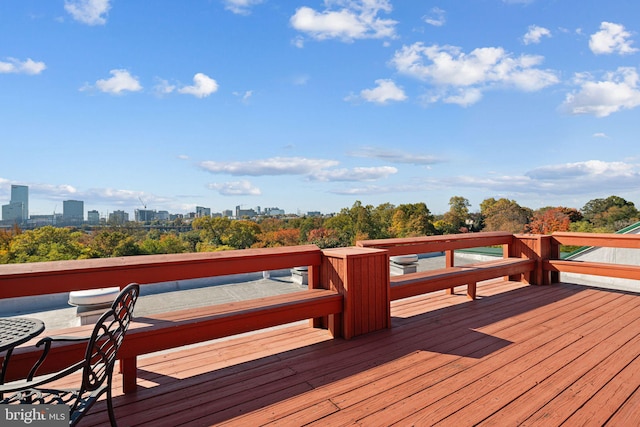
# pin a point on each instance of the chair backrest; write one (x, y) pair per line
(107, 337)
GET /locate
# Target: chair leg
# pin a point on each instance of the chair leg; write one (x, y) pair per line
(112, 415)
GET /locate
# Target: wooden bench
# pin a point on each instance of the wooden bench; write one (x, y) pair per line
(184, 327)
(448, 278)
(412, 284)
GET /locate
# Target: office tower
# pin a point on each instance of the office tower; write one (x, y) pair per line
(20, 194)
(18, 208)
(73, 211)
(93, 217)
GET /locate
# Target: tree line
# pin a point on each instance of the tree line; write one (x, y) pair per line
(342, 229)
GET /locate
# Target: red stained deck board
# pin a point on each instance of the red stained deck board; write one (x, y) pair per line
(444, 354)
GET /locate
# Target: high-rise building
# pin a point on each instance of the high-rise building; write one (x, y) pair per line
(202, 211)
(144, 215)
(18, 208)
(73, 211)
(162, 215)
(20, 194)
(93, 217)
(118, 217)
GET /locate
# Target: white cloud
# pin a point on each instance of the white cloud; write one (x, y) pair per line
(617, 91)
(241, 7)
(350, 20)
(312, 169)
(16, 66)
(436, 18)
(235, 188)
(122, 81)
(595, 177)
(90, 12)
(385, 91)
(600, 135)
(396, 156)
(355, 174)
(272, 166)
(468, 75)
(202, 87)
(591, 168)
(612, 38)
(163, 87)
(244, 96)
(463, 96)
(534, 34)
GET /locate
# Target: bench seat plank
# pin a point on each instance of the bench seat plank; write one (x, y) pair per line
(446, 278)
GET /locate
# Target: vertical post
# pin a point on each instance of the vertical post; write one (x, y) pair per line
(554, 253)
(536, 247)
(129, 370)
(449, 261)
(361, 276)
(449, 257)
(314, 283)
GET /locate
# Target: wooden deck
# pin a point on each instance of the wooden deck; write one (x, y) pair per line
(518, 355)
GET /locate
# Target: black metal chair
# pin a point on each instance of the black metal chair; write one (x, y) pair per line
(97, 365)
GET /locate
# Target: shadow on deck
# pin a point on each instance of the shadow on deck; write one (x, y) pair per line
(517, 355)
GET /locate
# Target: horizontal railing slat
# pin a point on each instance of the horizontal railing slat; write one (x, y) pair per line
(18, 280)
(610, 240)
(620, 271)
(429, 244)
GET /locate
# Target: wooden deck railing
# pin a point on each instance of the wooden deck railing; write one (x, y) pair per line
(350, 288)
(513, 264)
(553, 265)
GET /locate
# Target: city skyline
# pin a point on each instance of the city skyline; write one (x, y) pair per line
(314, 105)
(17, 211)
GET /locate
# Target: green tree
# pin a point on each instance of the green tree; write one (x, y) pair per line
(191, 239)
(46, 244)
(504, 215)
(383, 216)
(112, 243)
(307, 224)
(455, 220)
(412, 220)
(612, 213)
(213, 231)
(355, 223)
(241, 234)
(343, 227)
(167, 243)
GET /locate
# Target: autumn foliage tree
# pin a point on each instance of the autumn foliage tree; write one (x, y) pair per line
(276, 238)
(548, 220)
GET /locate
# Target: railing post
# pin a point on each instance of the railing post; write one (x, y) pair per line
(536, 247)
(361, 276)
(553, 253)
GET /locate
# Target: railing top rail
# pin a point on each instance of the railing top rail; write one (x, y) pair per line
(426, 244)
(610, 240)
(29, 279)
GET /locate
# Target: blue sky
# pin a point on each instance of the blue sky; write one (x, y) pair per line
(311, 105)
